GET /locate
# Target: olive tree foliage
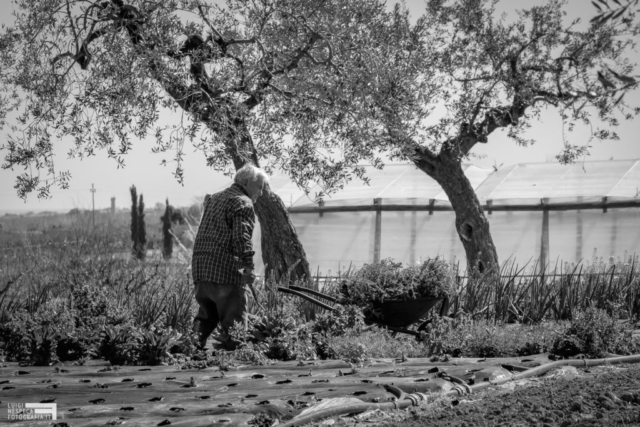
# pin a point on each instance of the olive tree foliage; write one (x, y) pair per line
(251, 80)
(612, 10)
(257, 81)
(468, 73)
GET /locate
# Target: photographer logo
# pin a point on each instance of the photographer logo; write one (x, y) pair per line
(32, 411)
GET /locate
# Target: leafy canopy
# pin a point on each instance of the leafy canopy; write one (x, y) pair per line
(269, 81)
(313, 87)
(475, 72)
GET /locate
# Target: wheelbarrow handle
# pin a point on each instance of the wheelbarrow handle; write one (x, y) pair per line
(307, 297)
(397, 329)
(312, 292)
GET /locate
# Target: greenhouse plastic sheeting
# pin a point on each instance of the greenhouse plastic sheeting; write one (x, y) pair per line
(335, 240)
(395, 184)
(517, 184)
(580, 182)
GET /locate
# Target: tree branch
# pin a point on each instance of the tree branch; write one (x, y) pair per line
(211, 27)
(256, 97)
(73, 28)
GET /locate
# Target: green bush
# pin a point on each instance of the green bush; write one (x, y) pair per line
(14, 340)
(131, 345)
(154, 344)
(338, 322)
(117, 345)
(33, 337)
(595, 334)
(344, 320)
(44, 343)
(466, 337)
(374, 342)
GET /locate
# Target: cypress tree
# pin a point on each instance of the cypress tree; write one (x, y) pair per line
(167, 248)
(134, 220)
(142, 231)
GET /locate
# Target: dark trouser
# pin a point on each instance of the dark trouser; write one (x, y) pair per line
(219, 304)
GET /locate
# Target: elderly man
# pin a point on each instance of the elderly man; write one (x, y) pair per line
(221, 250)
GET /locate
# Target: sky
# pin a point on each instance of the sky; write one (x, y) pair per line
(156, 182)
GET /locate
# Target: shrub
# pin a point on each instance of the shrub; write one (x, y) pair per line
(345, 319)
(43, 342)
(33, 337)
(251, 353)
(95, 306)
(595, 334)
(373, 342)
(338, 322)
(13, 339)
(130, 345)
(466, 337)
(291, 345)
(75, 346)
(117, 345)
(187, 344)
(153, 345)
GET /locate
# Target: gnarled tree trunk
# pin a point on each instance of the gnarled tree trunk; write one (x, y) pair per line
(471, 223)
(281, 247)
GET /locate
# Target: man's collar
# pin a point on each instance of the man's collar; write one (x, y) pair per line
(235, 184)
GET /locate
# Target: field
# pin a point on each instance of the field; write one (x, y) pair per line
(78, 313)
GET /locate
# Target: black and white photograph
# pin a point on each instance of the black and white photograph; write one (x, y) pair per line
(319, 213)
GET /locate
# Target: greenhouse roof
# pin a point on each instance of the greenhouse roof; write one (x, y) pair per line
(525, 183)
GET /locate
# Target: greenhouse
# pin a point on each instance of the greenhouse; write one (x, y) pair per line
(558, 212)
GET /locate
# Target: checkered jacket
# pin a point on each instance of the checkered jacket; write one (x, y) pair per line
(223, 244)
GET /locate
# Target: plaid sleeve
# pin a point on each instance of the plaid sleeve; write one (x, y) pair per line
(242, 231)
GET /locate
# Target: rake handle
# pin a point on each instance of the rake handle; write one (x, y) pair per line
(306, 297)
(313, 292)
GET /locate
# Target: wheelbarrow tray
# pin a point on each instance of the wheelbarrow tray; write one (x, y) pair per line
(401, 313)
(392, 312)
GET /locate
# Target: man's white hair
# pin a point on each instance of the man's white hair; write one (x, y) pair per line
(249, 173)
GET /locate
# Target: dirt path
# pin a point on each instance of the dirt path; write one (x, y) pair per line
(601, 396)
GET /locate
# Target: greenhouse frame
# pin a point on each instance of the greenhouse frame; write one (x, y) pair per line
(536, 211)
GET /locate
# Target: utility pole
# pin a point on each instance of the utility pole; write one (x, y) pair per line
(93, 208)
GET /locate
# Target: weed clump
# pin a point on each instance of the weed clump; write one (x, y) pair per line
(463, 336)
(595, 334)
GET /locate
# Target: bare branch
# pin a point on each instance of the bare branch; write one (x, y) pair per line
(285, 93)
(241, 41)
(62, 55)
(211, 27)
(73, 28)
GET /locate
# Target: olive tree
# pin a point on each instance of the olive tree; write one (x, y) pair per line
(458, 74)
(471, 73)
(245, 81)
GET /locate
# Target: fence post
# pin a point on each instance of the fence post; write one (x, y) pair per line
(579, 243)
(377, 241)
(544, 241)
(412, 253)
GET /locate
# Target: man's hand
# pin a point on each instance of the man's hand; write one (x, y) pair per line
(248, 277)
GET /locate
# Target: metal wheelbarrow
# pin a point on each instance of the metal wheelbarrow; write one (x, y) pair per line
(395, 314)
